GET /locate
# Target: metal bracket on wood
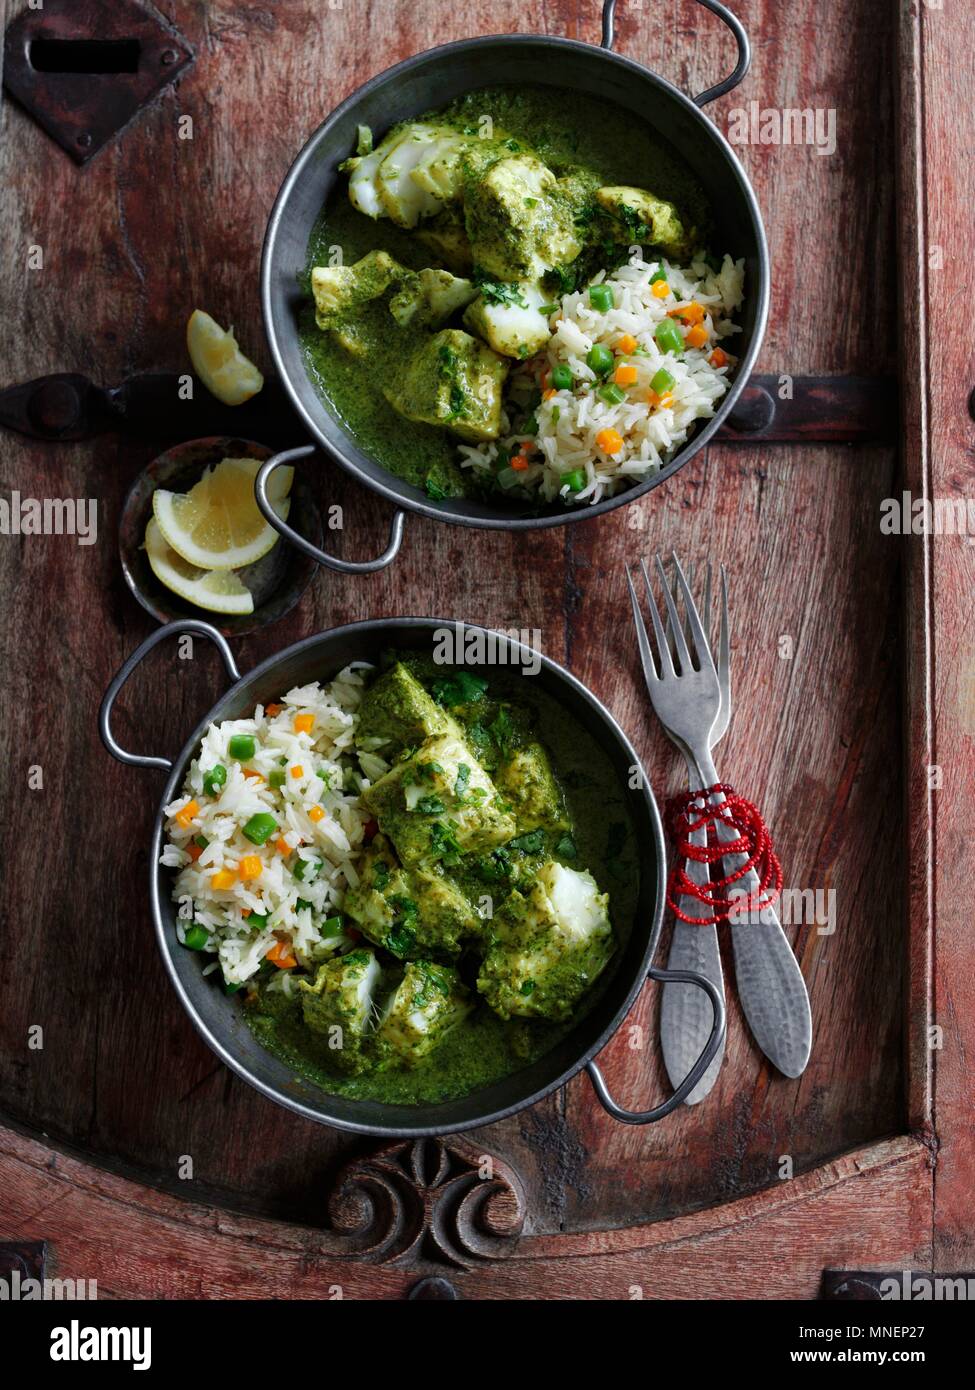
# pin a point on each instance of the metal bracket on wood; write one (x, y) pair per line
(864, 1285)
(21, 1260)
(69, 406)
(84, 68)
(433, 1290)
(813, 410)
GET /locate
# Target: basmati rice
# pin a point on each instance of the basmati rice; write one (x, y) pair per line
(290, 902)
(569, 421)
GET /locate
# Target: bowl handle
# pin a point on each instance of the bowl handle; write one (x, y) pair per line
(647, 1117)
(111, 694)
(321, 557)
(723, 13)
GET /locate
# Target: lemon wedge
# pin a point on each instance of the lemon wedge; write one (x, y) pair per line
(219, 362)
(216, 525)
(218, 591)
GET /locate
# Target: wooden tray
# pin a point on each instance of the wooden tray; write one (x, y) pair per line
(769, 1183)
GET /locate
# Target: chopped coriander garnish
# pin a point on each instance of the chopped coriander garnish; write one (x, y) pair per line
(444, 843)
(532, 843)
(635, 225)
(399, 940)
(502, 730)
(459, 689)
(500, 292)
(495, 866)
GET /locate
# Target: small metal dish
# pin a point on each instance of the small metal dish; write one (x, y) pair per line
(277, 581)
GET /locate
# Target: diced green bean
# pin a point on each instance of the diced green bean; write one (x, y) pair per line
(612, 394)
(669, 337)
(214, 778)
(196, 938)
(275, 778)
(307, 868)
(562, 377)
(242, 747)
(599, 358)
(575, 481)
(662, 381)
(260, 827)
(601, 297)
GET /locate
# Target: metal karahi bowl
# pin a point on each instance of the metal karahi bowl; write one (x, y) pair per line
(432, 79)
(277, 581)
(219, 1018)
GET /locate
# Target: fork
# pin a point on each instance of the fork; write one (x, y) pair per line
(688, 703)
(686, 1015)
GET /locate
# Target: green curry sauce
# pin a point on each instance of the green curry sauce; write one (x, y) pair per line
(483, 1048)
(598, 145)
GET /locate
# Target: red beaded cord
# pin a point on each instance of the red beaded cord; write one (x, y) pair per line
(684, 816)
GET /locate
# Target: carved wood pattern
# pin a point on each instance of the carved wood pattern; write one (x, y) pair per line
(428, 1200)
(868, 1208)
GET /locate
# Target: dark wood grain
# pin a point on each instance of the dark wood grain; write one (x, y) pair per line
(936, 275)
(868, 1207)
(155, 226)
(825, 781)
